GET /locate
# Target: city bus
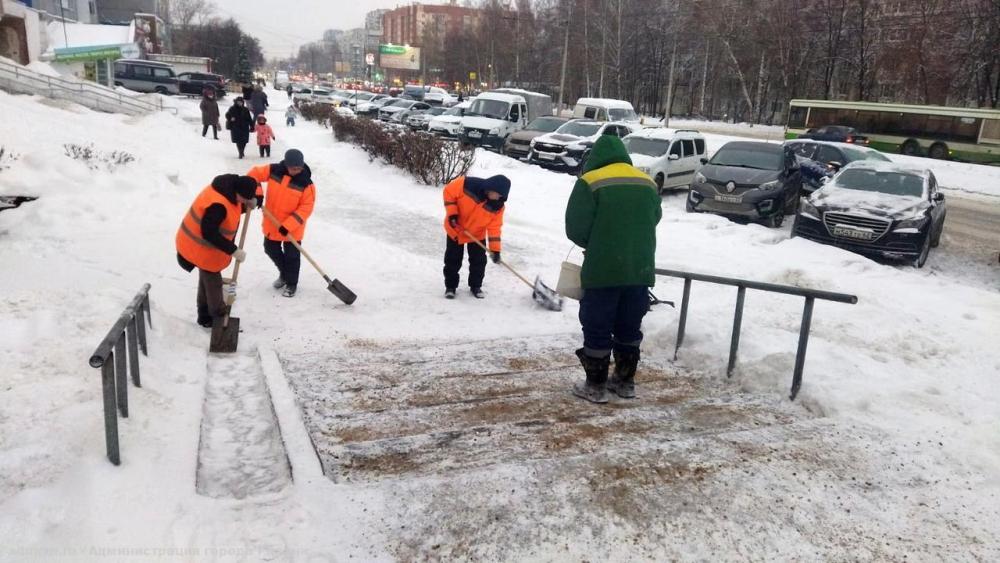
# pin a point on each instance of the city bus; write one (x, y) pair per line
(966, 134)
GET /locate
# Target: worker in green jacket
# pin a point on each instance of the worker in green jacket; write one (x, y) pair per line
(612, 214)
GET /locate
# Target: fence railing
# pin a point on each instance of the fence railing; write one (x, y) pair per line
(810, 295)
(95, 96)
(110, 357)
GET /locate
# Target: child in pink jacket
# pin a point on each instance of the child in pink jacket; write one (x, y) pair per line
(264, 136)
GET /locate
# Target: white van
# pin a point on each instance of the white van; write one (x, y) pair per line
(670, 156)
(491, 118)
(604, 109)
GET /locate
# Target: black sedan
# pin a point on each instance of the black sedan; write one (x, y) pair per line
(195, 83)
(836, 134)
(750, 180)
(876, 208)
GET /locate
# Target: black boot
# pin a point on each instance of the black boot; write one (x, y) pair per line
(622, 383)
(595, 388)
(204, 319)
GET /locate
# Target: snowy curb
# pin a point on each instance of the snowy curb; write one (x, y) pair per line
(298, 445)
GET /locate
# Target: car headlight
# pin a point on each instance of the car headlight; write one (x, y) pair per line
(495, 131)
(700, 178)
(914, 224)
(460, 129)
(808, 209)
(769, 185)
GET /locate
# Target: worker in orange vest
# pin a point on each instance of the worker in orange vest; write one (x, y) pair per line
(205, 238)
(290, 197)
(472, 206)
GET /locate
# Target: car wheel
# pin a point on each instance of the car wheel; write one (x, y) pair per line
(775, 221)
(910, 148)
(795, 225)
(659, 183)
(938, 151)
(925, 249)
(160, 90)
(936, 240)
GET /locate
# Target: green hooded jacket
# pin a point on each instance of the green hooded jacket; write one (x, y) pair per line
(612, 214)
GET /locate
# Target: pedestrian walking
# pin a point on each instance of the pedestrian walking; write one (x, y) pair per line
(209, 113)
(205, 238)
(288, 90)
(240, 124)
(612, 214)
(264, 136)
(247, 91)
(472, 206)
(290, 196)
(290, 114)
(258, 102)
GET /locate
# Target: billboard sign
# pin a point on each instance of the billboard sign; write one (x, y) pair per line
(402, 57)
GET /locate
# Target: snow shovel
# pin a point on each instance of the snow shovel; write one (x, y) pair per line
(226, 331)
(340, 290)
(541, 293)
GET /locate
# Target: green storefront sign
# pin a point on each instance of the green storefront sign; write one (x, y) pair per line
(392, 49)
(78, 54)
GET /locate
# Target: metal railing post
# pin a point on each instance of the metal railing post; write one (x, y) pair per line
(121, 375)
(133, 348)
(141, 330)
(149, 313)
(682, 325)
(110, 416)
(800, 355)
(734, 345)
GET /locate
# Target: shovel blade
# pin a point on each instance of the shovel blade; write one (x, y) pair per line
(546, 296)
(225, 336)
(342, 292)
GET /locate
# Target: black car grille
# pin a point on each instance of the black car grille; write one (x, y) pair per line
(542, 147)
(720, 187)
(518, 142)
(877, 226)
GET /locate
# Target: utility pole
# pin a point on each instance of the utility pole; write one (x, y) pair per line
(562, 75)
(670, 84)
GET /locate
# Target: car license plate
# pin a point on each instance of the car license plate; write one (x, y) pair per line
(475, 134)
(544, 156)
(853, 233)
(729, 198)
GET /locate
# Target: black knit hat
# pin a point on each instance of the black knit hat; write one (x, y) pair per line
(246, 187)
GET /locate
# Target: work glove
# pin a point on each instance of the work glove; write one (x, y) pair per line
(283, 231)
(453, 221)
(231, 291)
(253, 202)
(495, 256)
(240, 255)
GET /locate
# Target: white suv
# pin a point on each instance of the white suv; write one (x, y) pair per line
(568, 147)
(670, 156)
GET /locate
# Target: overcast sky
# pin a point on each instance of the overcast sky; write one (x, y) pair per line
(283, 25)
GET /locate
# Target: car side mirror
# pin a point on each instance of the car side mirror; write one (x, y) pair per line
(704, 160)
(938, 196)
(824, 180)
(836, 165)
(675, 156)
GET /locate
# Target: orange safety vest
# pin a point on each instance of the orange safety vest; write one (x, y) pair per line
(290, 203)
(190, 243)
(472, 216)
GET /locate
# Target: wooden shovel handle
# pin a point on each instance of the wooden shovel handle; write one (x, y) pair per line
(506, 265)
(243, 238)
(289, 238)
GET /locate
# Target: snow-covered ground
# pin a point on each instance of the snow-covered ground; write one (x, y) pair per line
(900, 390)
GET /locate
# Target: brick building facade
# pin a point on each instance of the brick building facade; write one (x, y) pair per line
(406, 25)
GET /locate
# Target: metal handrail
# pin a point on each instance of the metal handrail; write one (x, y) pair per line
(37, 81)
(129, 331)
(810, 295)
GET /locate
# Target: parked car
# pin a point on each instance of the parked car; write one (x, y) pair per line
(396, 110)
(420, 120)
(670, 156)
(439, 97)
(494, 115)
(518, 144)
(353, 98)
(146, 76)
(605, 109)
(195, 83)
(370, 109)
(751, 180)
(830, 157)
(568, 147)
(876, 208)
(836, 134)
(450, 122)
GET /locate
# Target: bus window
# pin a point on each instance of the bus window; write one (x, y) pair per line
(965, 129)
(819, 117)
(991, 132)
(797, 117)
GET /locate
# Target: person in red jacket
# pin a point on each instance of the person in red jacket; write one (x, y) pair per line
(290, 197)
(472, 206)
(205, 238)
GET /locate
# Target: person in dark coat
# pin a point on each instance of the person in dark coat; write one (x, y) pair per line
(247, 91)
(209, 113)
(288, 89)
(258, 102)
(240, 124)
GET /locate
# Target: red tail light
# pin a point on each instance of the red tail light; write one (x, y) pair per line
(849, 139)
